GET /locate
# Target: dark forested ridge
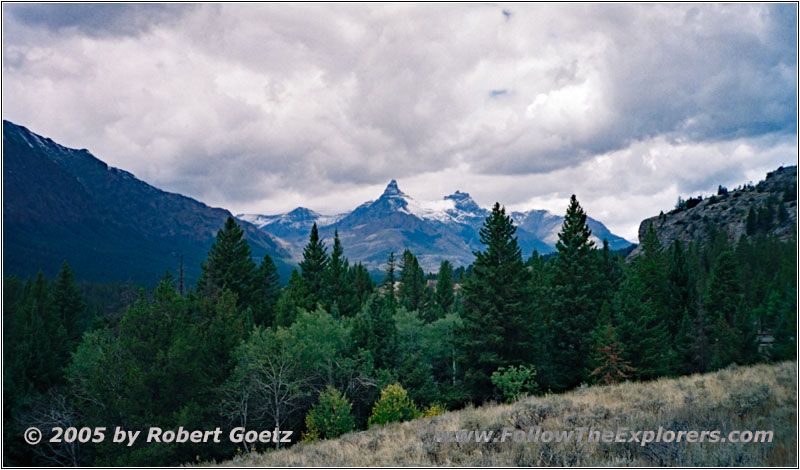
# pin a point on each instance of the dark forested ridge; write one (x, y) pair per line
(65, 204)
(332, 351)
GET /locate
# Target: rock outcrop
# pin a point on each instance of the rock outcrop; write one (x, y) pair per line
(773, 201)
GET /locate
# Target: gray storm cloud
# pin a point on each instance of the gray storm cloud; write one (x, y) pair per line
(261, 107)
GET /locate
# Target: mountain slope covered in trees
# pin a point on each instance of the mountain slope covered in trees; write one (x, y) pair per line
(65, 204)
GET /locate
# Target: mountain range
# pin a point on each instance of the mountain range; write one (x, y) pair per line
(63, 204)
(448, 229)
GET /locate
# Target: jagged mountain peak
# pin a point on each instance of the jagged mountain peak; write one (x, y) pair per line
(392, 190)
(463, 202)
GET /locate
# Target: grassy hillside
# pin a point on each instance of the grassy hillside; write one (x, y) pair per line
(761, 397)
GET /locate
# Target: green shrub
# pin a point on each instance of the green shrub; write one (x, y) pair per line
(514, 382)
(394, 405)
(330, 417)
(434, 409)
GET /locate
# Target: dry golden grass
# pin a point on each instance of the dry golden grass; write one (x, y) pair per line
(761, 397)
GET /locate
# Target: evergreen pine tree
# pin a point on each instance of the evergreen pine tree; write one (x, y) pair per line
(722, 295)
(701, 347)
(42, 344)
(610, 273)
(642, 332)
(230, 266)
(293, 297)
(69, 304)
(683, 343)
(751, 223)
(784, 310)
(766, 214)
(496, 327)
(269, 284)
(416, 375)
(574, 301)
(723, 303)
(783, 214)
(340, 291)
(314, 266)
(389, 283)
(444, 287)
(362, 283)
(411, 293)
(642, 312)
(744, 327)
(680, 290)
(374, 330)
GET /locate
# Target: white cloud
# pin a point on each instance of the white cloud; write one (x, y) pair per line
(264, 107)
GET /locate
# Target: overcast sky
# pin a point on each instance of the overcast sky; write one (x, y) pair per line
(264, 107)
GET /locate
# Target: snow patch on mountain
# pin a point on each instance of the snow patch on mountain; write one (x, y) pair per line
(298, 218)
(258, 220)
(432, 210)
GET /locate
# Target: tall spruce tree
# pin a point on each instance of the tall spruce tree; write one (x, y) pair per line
(314, 266)
(610, 273)
(496, 323)
(269, 284)
(389, 283)
(444, 287)
(734, 330)
(642, 312)
(42, 345)
(374, 330)
(230, 266)
(681, 293)
(339, 290)
(751, 223)
(641, 330)
(362, 283)
(700, 347)
(295, 296)
(69, 304)
(783, 308)
(574, 301)
(411, 293)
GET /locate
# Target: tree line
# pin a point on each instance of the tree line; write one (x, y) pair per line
(333, 351)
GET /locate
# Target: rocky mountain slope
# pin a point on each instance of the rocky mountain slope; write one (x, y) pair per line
(434, 231)
(771, 206)
(65, 204)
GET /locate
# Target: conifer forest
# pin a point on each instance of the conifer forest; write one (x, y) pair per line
(335, 350)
